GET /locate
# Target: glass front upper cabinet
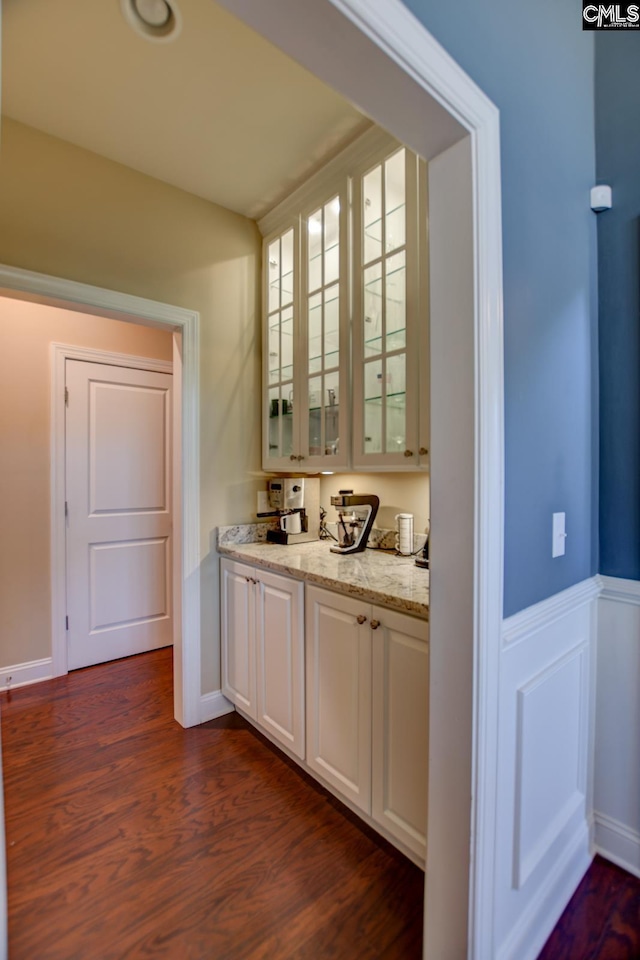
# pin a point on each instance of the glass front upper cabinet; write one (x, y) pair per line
(345, 379)
(386, 300)
(324, 431)
(307, 349)
(281, 270)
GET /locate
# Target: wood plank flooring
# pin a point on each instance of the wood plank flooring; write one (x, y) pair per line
(602, 920)
(129, 837)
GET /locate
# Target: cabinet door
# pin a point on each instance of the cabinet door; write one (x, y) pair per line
(338, 667)
(387, 313)
(280, 658)
(324, 425)
(238, 635)
(400, 714)
(281, 348)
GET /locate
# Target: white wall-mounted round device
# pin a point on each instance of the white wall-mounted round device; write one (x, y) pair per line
(600, 198)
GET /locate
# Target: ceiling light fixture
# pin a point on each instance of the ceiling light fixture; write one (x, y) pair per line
(157, 20)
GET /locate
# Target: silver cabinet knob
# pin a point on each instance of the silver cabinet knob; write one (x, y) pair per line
(375, 624)
(408, 453)
(423, 451)
(361, 618)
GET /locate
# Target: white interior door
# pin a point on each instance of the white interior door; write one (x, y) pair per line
(118, 492)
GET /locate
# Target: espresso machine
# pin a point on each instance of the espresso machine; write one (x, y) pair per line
(296, 501)
(356, 513)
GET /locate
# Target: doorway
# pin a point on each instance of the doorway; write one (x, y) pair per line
(383, 60)
(92, 303)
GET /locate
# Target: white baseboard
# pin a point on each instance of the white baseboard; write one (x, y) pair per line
(21, 674)
(213, 705)
(617, 843)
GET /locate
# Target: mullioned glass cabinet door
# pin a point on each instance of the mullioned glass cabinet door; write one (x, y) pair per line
(280, 344)
(386, 298)
(324, 427)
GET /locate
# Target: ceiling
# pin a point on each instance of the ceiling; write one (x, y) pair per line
(218, 112)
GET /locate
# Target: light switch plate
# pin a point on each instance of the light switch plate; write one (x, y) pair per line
(558, 535)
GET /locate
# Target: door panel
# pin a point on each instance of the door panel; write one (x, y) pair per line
(339, 693)
(401, 726)
(238, 636)
(127, 448)
(129, 582)
(118, 490)
(280, 655)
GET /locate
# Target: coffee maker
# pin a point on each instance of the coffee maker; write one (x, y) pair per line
(296, 501)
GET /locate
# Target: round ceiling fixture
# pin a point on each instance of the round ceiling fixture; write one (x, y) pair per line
(157, 20)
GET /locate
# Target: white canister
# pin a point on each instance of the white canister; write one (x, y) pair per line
(404, 536)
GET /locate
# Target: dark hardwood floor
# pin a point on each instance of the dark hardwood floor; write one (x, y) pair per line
(602, 921)
(129, 837)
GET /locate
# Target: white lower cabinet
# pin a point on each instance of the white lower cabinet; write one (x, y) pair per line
(263, 650)
(368, 709)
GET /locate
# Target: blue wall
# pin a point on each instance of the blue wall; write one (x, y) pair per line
(536, 64)
(618, 164)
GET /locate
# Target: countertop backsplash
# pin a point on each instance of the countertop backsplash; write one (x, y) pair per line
(246, 532)
(379, 538)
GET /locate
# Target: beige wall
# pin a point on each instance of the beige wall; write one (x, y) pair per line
(26, 332)
(398, 492)
(70, 213)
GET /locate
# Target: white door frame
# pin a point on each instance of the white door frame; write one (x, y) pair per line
(91, 302)
(379, 56)
(60, 353)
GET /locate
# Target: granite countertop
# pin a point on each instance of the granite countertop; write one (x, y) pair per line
(377, 576)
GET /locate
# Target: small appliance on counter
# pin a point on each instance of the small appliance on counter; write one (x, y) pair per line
(404, 536)
(354, 528)
(296, 501)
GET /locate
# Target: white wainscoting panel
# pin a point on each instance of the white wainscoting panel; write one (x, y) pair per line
(617, 742)
(550, 760)
(543, 794)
